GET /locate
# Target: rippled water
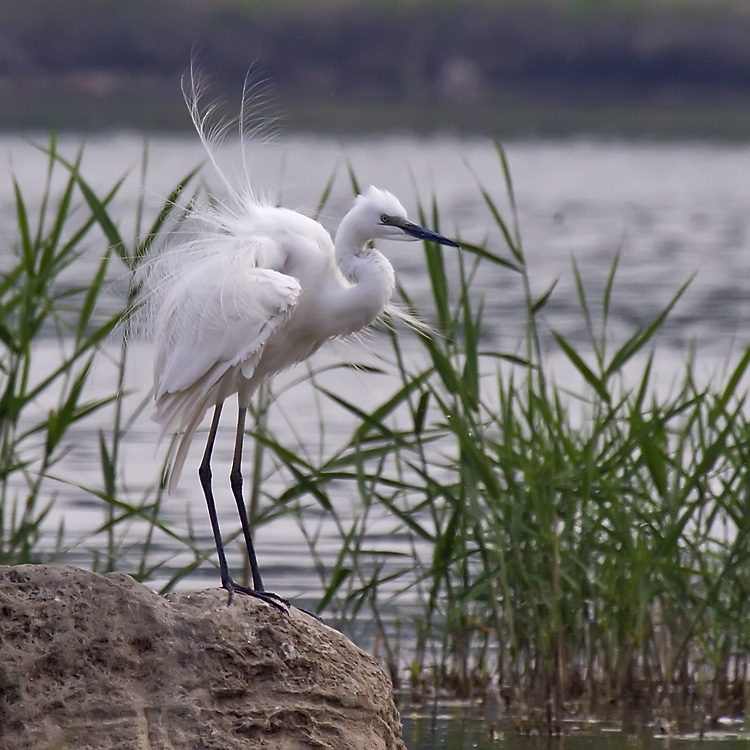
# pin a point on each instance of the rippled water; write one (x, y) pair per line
(670, 210)
(461, 727)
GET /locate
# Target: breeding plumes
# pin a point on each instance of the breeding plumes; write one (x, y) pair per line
(242, 290)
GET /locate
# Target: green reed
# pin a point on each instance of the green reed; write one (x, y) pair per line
(583, 546)
(56, 320)
(576, 546)
(36, 301)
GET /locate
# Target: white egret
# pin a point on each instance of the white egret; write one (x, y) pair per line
(244, 289)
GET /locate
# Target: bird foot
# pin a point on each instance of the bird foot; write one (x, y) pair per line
(265, 596)
(310, 614)
(283, 605)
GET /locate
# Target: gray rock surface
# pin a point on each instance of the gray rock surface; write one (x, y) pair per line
(90, 661)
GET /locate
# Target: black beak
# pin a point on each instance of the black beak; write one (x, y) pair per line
(420, 233)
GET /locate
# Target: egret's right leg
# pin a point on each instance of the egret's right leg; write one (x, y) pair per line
(235, 479)
(204, 472)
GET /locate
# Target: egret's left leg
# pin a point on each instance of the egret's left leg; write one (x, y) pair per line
(235, 479)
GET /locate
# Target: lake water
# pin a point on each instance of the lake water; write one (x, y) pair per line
(461, 727)
(670, 209)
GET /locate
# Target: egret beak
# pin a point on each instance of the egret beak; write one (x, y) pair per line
(420, 233)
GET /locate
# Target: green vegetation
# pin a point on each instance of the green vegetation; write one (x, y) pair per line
(586, 549)
(583, 549)
(45, 294)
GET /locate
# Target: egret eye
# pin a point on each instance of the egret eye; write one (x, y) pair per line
(385, 219)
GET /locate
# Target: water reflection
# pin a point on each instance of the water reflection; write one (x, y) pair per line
(462, 727)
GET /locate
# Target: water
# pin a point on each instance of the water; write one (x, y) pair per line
(670, 210)
(461, 727)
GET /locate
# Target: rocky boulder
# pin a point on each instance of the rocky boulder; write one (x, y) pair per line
(91, 661)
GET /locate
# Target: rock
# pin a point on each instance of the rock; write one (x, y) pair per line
(91, 661)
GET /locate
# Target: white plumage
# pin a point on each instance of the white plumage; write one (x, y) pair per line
(242, 290)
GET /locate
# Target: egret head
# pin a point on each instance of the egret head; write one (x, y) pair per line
(381, 215)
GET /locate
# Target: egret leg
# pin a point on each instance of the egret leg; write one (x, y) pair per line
(235, 479)
(204, 472)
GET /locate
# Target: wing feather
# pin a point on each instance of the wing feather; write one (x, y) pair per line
(216, 321)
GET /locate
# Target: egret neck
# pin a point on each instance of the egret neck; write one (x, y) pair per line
(368, 271)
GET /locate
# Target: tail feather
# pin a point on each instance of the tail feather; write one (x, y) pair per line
(182, 413)
(186, 438)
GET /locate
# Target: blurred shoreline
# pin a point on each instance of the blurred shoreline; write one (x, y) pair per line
(625, 68)
(48, 105)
